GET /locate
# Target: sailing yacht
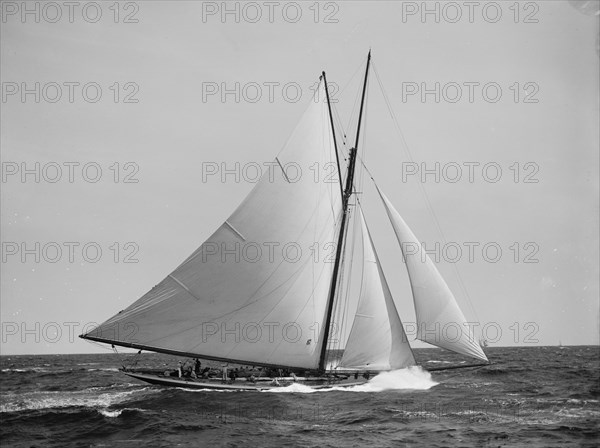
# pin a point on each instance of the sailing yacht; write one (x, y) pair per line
(270, 287)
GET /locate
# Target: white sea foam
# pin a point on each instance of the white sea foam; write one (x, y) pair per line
(296, 388)
(411, 378)
(117, 412)
(111, 414)
(33, 369)
(63, 399)
(204, 390)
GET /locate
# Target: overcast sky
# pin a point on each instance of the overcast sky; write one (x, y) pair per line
(528, 106)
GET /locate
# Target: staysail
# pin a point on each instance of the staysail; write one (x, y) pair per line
(256, 290)
(377, 340)
(440, 321)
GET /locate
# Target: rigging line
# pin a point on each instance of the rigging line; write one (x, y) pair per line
(331, 345)
(342, 302)
(337, 157)
(344, 295)
(364, 140)
(340, 126)
(103, 346)
(339, 121)
(347, 273)
(344, 152)
(356, 101)
(423, 191)
(327, 141)
(358, 69)
(344, 317)
(359, 187)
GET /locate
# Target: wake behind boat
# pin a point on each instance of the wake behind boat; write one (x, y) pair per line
(293, 276)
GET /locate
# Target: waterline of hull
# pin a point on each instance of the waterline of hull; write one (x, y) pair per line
(241, 385)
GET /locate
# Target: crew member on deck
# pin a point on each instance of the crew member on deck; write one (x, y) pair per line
(197, 367)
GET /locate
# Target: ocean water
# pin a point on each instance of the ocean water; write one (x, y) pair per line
(529, 396)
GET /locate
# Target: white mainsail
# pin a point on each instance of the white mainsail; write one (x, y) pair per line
(256, 290)
(377, 340)
(439, 319)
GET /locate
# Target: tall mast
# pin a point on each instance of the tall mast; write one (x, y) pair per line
(337, 157)
(345, 198)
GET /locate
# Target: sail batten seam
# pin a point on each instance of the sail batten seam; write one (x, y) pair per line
(183, 286)
(283, 171)
(235, 230)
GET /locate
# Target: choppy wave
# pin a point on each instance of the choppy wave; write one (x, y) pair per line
(527, 397)
(114, 413)
(42, 370)
(89, 398)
